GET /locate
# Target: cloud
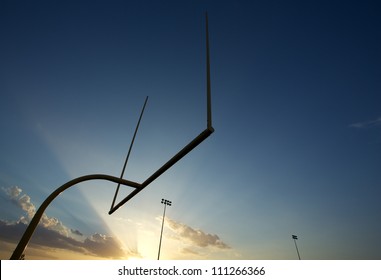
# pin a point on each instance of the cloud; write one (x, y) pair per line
(366, 124)
(51, 232)
(24, 202)
(103, 245)
(11, 231)
(27, 206)
(190, 251)
(96, 245)
(195, 236)
(12, 192)
(21, 201)
(76, 232)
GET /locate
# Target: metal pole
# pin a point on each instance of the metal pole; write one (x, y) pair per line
(208, 87)
(297, 248)
(129, 152)
(196, 141)
(18, 252)
(169, 203)
(161, 234)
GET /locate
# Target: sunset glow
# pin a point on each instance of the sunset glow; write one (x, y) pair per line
(295, 94)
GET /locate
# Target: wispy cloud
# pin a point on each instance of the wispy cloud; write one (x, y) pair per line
(190, 251)
(366, 124)
(53, 233)
(196, 237)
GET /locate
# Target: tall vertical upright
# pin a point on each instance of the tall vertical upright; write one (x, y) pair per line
(208, 86)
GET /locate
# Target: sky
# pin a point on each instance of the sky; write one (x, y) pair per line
(296, 111)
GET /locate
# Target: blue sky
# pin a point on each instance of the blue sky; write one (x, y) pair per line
(296, 109)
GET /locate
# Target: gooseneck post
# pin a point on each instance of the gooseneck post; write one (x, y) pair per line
(17, 253)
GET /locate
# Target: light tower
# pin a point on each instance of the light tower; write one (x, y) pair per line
(294, 237)
(169, 203)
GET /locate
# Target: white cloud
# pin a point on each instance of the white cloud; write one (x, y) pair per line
(24, 202)
(54, 224)
(366, 124)
(196, 237)
(26, 205)
(12, 192)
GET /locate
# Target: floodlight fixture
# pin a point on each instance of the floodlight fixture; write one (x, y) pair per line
(166, 202)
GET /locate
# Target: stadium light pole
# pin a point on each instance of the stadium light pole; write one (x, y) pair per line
(169, 203)
(295, 238)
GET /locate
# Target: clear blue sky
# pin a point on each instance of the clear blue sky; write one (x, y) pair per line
(296, 107)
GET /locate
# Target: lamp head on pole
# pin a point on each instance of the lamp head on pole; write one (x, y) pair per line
(166, 202)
